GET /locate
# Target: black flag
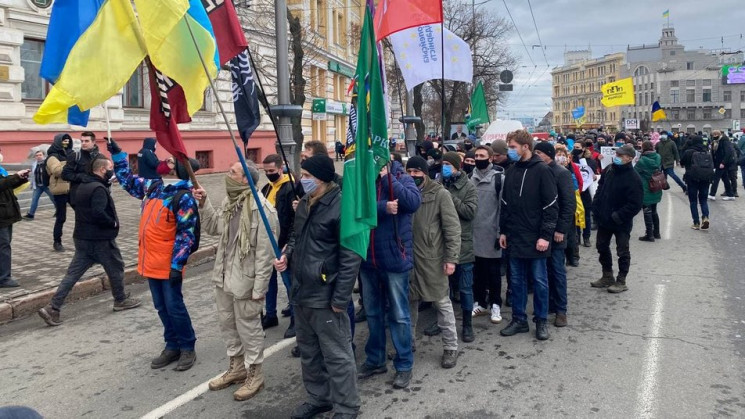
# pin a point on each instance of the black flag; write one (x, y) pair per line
(245, 96)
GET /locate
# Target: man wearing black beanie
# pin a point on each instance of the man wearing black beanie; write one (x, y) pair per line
(323, 275)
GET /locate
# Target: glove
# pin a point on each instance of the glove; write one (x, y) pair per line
(112, 146)
(175, 276)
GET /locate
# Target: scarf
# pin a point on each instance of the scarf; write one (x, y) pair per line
(239, 194)
(275, 187)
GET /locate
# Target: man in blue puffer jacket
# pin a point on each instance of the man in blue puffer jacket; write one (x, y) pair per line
(385, 275)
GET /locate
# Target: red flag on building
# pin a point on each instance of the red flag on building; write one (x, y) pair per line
(167, 110)
(227, 28)
(392, 16)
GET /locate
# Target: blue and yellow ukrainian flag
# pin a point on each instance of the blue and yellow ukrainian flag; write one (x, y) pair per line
(171, 47)
(657, 112)
(98, 52)
(666, 13)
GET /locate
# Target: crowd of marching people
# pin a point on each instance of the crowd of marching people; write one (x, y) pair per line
(451, 224)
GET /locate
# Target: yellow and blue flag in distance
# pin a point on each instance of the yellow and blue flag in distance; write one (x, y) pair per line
(657, 112)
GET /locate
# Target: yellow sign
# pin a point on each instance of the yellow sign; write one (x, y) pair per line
(618, 93)
(4, 73)
(722, 111)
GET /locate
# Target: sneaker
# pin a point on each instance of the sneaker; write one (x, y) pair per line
(166, 357)
(705, 223)
(728, 198)
(50, 315)
(496, 315)
(449, 358)
(696, 226)
(9, 283)
(514, 328)
(366, 371)
(402, 379)
(186, 360)
(712, 198)
(479, 311)
(58, 247)
(126, 304)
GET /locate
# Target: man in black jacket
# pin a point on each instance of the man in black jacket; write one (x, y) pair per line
(147, 161)
(96, 228)
(528, 223)
(78, 164)
(557, 275)
(323, 275)
(618, 199)
(723, 154)
(10, 213)
(280, 193)
(697, 179)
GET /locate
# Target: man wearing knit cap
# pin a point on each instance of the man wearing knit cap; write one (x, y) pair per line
(567, 200)
(323, 275)
(436, 252)
(465, 200)
(499, 157)
(616, 203)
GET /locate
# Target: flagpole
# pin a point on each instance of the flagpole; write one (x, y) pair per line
(241, 157)
(108, 124)
(442, 80)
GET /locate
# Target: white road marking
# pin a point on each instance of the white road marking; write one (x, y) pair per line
(669, 218)
(648, 386)
(203, 388)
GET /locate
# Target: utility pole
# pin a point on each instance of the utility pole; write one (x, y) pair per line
(284, 110)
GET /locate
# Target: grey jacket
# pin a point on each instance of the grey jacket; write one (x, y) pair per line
(486, 223)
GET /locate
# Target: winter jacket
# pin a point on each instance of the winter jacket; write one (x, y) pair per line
(165, 236)
(246, 277)
(618, 198)
(10, 211)
(388, 252)
(567, 201)
(56, 160)
(323, 271)
(648, 163)
(147, 161)
(283, 205)
(95, 213)
(722, 152)
(694, 146)
(741, 145)
(436, 242)
(668, 152)
(466, 201)
(488, 185)
(78, 167)
(529, 208)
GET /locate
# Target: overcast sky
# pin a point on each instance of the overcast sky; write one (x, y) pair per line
(605, 26)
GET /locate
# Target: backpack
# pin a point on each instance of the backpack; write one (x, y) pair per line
(197, 227)
(702, 166)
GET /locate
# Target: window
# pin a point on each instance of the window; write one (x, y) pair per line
(707, 95)
(727, 95)
(690, 95)
(727, 113)
(674, 83)
(675, 114)
(689, 65)
(672, 52)
(132, 93)
(205, 159)
(707, 82)
(675, 95)
(707, 113)
(33, 86)
(651, 85)
(742, 97)
(691, 114)
(690, 83)
(742, 113)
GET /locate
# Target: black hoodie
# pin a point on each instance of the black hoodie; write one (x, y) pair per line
(57, 150)
(78, 168)
(147, 161)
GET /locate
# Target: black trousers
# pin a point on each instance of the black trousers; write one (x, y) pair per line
(487, 275)
(60, 215)
(602, 243)
(722, 174)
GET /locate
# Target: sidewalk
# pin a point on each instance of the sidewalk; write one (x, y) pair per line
(39, 269)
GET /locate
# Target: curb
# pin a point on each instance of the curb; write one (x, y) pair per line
(18, 307)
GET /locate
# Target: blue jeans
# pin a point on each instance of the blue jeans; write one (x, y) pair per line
(670, 171)
(271, 294)
(557, 282)
(168, 300)
(464, 274)
(697, 191)
(520, 269)
(35, 198)
(6, 236)
(379, 287)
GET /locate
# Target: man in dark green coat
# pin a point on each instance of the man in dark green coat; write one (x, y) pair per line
(649, 163)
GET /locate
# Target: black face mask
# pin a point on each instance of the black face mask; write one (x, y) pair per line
(273, 177)
(467, 146)
(418, 180)
(468, 168)
(482, 164)
(108, 175)
(576, 152)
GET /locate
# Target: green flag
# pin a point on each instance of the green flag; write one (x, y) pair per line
(367, 146)
(479, 111)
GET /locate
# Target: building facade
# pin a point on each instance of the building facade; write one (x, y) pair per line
(578, 83)
(688, 85)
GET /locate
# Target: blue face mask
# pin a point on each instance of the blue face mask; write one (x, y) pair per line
(617, 161)
(447, 171)
(512, 154)
(309, 185)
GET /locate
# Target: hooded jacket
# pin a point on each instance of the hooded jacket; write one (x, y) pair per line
(78, 168)
(388, 252)
(618, 198)
(567, 201)
(466, 201)
(147, 161)
(10, 212)
(56, 160)
(722, 152)
(529, 208)
(695, 145)
(668, 152)
(95, 213)
(648, 163)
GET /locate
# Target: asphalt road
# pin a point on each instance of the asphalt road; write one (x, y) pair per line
(672, 346)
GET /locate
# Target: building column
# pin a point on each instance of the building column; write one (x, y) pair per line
(12, 108)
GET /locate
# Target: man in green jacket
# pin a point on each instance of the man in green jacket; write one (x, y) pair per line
(466, 200)
(668, 152)
(436, 252)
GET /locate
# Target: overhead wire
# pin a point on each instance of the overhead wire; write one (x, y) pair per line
(518, 31)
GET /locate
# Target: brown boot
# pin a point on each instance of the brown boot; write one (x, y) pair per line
(605, 281)
(236, 373)
(254, 383)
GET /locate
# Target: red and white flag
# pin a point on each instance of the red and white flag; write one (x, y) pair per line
(392, 16)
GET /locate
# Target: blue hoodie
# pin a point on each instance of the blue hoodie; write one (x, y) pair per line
(147, 161)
